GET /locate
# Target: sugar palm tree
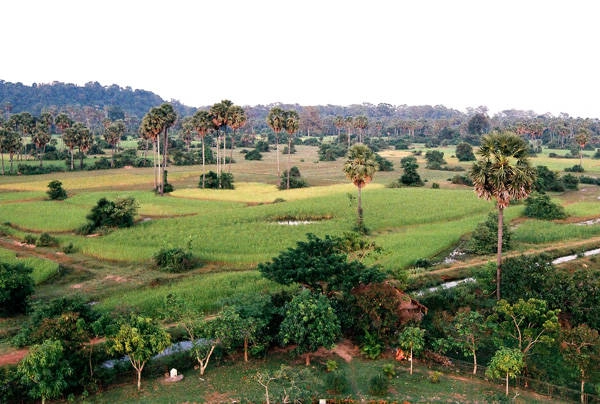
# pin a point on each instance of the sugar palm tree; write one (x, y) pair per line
(40, 137)
(502, 173)
(361, 123)
(150, 129)
(112, 135)
(187, 131)
(84, 139)
(237, 119)
(292, 122)
(349, 126)
(360, 167)
(221, 117)
(276, 120)
(582, 137)
(62, 121)
(202, 125)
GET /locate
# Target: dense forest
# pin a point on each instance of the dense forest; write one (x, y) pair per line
(436, 125)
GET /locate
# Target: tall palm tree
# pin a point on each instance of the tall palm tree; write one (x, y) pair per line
(62, 121)
(502, 173)
(69, 137)
(202, 125)
(237, 119)
(41, 137)
(187, 129)
(85, 139)
(12, 143)
(3, 137)
(112, 135)
(150, 129)
(339, 123)
(276, 121)
(221, 117)
(361, 123)
(360, 167)
(582, 137)
(292, 123)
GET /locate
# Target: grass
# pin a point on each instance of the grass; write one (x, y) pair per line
(43, 269)
(204, 292)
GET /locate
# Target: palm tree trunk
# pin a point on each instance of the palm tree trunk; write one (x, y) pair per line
(411, 360)
(499, 254)
(2, 156)
(582, 397)
(203, 162)
(474, 363)
(289, 160)
(72, 167)
(360, 210)
(245, 349)
(231, 152)
(277, 150)
(507, 383)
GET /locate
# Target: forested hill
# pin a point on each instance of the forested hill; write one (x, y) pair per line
(58, 96)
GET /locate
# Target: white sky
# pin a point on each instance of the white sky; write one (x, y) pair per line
(522, 54)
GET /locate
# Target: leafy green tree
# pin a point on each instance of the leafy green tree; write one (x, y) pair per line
(410, 177)
(506, 363)
(580, 347)
(464, 152)
(525, 323)
(118, 213)
(533, 276)
(140, 339)
(45, 370)
(16, 285)
(547, 180)
(502, 173)
(435, 159)
(199, 330)
(55, 191)
(360, 167)
(231, 329)
(469, 329)
(310, 323)
(320, 265)
(478, 124)
(412, 339)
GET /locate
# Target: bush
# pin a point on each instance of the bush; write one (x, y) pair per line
(484, 239)
(539, 206)
(46, 240)
(547, 180)
(570, 181)
(379, 384)
(16, 285)
(109, 214)
(384, 164)
(30, 239)
(330, 152)
(337, 382)
(389, 369)
(253, 155)
(434, 377)
(575, 169)
(55, 191)
(462, 180)
(262, 146)
(174, 260)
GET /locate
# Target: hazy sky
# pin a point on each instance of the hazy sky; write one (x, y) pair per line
(523, 54)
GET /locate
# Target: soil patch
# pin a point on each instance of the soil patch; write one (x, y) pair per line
(12, 358)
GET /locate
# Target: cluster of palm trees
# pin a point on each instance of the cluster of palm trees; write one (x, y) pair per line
(278, 120)
(359, 123)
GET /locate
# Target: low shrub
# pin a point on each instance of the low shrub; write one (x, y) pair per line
(174, 259)
(539, 206)
(575, 169)
(46, 240)
(484, 239)
(379, 385)
(337, 382)
(30, 239)
(253, 155)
